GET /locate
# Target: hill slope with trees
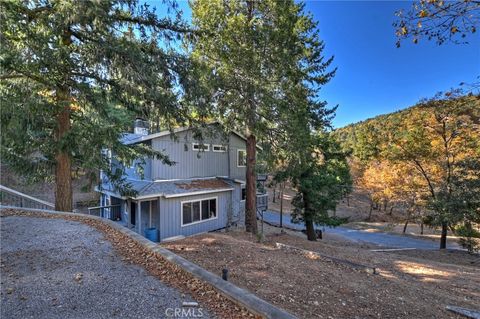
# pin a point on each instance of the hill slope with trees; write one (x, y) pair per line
(424, 160)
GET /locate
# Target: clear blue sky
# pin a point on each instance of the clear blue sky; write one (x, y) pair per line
(374, 77)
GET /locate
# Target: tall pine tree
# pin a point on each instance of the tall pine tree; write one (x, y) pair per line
(73, 76)
(251, 55)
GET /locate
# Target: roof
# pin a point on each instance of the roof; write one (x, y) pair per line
(173, 188)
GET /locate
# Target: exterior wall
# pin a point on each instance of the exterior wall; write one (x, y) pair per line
(192, 163)
(238, 206)
(131, 172)
(236, 143)
(171, 220)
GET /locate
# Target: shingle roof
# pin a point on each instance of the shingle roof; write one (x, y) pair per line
(174, 188)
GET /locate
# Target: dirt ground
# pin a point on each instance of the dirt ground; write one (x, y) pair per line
(409, 284)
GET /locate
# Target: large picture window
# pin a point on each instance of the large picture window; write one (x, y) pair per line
(241, 158)
(199, 211)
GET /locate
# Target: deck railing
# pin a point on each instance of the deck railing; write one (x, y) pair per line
(11, 197)
(112, 212)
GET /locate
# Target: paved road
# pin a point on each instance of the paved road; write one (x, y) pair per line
(53, 268)
(378, 238)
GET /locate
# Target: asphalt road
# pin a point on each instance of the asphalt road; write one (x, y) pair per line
(53, 268)
(377, 238)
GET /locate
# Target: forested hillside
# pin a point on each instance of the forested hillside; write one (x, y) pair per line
(423, 161)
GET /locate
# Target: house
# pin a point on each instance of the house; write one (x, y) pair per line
(203, 191)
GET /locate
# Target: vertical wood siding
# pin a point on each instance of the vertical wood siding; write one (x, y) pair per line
(236, 143)
(171, 220)
(191, 163)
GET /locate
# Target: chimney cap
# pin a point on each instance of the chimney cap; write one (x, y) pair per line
(140, 126)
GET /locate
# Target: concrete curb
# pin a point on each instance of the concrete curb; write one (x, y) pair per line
(236, 294)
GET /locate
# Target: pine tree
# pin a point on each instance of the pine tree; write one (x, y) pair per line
(74, 75)
(251, 55)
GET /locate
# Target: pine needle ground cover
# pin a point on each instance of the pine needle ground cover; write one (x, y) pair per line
(410, 284)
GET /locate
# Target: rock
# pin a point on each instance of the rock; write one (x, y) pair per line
(78, 277)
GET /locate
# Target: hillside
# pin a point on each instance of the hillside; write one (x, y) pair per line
(370, 134)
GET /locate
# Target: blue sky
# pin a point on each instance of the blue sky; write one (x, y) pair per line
(374, 77)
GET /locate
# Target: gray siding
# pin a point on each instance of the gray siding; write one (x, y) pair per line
(131, 172)
(191, 163)
(238, 206)
(236, 143)
(170, 215)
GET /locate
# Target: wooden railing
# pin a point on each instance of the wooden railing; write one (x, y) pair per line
(262, 202)
(11, 197)
(112, 212)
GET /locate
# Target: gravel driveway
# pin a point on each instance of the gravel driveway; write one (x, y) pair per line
(53, 268)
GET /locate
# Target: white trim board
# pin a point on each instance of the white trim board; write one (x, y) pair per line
(200, 205)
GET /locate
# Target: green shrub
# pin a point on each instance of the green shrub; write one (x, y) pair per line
(470, 238)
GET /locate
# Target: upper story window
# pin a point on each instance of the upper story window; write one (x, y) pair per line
(243, 194)
(219, 148)
(200, 147)
(199, 211)
(241, 158)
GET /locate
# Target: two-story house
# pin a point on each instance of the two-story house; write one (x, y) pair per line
(203, 191)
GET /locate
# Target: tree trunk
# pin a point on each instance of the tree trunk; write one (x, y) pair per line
(281, 205)
(274, 189)
(405, 226)
(421, 228)
(348, 200)
(391, 210)
(63, 177)
(370, 212)
(311, 235)
(251, 187)
(63, 161)
(443, 238)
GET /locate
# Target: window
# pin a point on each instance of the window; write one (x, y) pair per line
(241, 158)
(200, 147)
(243, 194)
(219, 148)
(198, 211)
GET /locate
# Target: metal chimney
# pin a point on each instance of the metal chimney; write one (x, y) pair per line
(140, 126)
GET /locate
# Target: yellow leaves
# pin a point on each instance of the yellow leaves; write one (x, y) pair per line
(404, 30)
(454, 30)
(423, 13)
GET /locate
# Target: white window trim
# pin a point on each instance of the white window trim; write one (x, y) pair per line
(243, 186)
(207, 149)
(219, 145)
(242, 150)
(201, 220)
